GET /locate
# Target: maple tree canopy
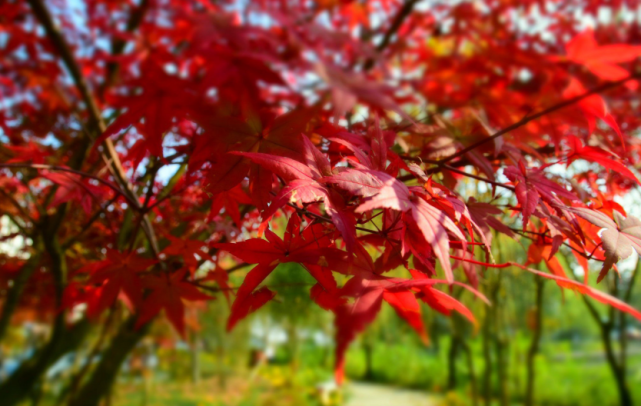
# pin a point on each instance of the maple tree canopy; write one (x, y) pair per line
(150, 148)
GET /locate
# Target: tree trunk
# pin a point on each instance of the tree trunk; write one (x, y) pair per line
(103, 376)
(196, 346)
(534, 344)
(19, 385)
(502, 370)
(451, 362)
(36, 393)
(487, 358)
(294, 345)
(474, 393)
(619, 373)
(368, 349)
(13, 295)
(489, 326)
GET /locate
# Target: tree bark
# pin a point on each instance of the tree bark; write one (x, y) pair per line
(619, 373)
(487, 358)
(368, 349)
(489, 323)
(502, 370)
(452, 355)
(20, 383)
(102, 378)
(294, 345)
(196, 346)
(474, 393)
(13, 295)
(534, 344)
(501, 344)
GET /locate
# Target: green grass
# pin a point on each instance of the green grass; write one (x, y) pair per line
(567, 382)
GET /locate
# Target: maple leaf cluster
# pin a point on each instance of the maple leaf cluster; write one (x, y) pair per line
(395, 149)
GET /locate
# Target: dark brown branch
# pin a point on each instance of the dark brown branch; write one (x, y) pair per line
(470, 175)
(110, 156)
(17, 205)
(527, 119)
(69, 170)
(55, 36)
(88, 224)
(623, 323)
(93, 353)
(118, 45)
(523, 233)
(15, 290)
(401, 15)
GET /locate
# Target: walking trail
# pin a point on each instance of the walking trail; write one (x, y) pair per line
(369, 394)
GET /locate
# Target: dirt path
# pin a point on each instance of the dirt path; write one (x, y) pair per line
(366, 394)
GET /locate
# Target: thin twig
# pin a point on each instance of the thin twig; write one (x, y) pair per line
(527, 119)
(470, 175)
(69, 170)
(110, 156)
(400, 17)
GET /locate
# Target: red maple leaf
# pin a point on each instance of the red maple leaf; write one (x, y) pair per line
(189, 250)
(253, 132)
(72, 187)
(305, 184)
(601, 60)
(385, 191)
(532, 186)
(163, 97)
(369, 292)
(604, 158)
(119, 273)
(303, 247)
(168, 293)
(593, 107)
(230, 200)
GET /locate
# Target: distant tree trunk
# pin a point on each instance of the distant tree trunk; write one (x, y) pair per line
(15, 290)
(36, 393)
(474, 394)
(103, 376)
(618, 371)
(18, 386)
(487, 358)
(368, 349)
(20, 383)
(502, 345)
(222, 368)
(435, 334)
(216, 343)
(292, 335)
(489, 325)
(452, 355)
(617, 365)
(534, 344)
(327, 352)
(196, 346)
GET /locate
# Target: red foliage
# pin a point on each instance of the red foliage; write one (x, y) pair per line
(202, 125)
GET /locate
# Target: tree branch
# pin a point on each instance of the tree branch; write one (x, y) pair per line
(75, 172)
(540, 114)
(118, 45)
(470, 175)
(111, 159)
(401, 15)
